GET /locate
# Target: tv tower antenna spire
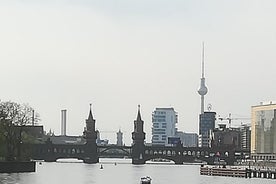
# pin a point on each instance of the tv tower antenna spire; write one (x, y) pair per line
(202, 58)
(203, 89)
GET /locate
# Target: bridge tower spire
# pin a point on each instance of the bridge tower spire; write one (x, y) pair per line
(90, 135)
(138, 137)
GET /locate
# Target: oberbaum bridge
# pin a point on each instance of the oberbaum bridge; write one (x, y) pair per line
(90, 152)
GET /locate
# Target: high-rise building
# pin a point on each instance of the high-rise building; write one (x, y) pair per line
(119, 138)
(263, 129)
(163, 125)
(245, 137)
(206, 126)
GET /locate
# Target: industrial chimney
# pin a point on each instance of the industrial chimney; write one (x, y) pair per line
(63, 122)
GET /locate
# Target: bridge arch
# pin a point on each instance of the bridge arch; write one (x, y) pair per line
(161, 157)
(118, 151)
(169, 153)
(104, 150)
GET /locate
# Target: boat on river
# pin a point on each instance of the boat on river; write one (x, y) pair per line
(145, 180)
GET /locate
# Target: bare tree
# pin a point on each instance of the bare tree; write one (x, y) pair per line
(13, 117)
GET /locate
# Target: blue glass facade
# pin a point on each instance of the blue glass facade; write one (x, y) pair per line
(206, 125)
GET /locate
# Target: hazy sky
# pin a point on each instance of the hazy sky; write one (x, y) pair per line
(116, 54)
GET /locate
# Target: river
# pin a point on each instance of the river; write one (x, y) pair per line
(118, 171)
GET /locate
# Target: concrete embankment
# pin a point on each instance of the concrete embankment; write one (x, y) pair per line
(238, 172)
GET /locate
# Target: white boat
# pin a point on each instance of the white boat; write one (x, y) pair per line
(145, 180)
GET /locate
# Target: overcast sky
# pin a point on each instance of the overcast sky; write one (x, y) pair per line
(116, 54)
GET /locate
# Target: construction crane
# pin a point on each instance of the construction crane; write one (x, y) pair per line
(229, 119)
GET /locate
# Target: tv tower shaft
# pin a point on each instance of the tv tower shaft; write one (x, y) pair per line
(203, 89)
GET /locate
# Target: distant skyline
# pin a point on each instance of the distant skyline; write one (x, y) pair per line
(67, 54)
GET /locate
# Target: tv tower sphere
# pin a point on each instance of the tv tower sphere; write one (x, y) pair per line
(203, 89)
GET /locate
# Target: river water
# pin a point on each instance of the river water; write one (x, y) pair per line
(119, 171)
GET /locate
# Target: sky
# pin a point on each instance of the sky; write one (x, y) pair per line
(66, 54)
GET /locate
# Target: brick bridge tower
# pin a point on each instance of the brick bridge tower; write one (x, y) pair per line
(90, 134)
(138, 137)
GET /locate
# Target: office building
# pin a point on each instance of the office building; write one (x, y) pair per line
(263, 129)
(223, 137)
(188, 139)
(206, 126)
(245, 137)
(164, 122)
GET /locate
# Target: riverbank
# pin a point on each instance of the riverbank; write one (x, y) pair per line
(17, 166)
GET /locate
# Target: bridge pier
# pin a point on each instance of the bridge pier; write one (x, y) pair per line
(50, 160)
(90, 160)
(179, 162)
(91, 154)
(136, 161)
(138, 156)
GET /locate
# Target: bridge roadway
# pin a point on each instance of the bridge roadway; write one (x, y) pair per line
(51, 152)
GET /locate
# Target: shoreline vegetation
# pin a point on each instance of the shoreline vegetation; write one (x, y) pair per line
(13, 118)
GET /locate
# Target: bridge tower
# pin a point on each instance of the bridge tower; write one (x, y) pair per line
(90, 134)
(138, 137)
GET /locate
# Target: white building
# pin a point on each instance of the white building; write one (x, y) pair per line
(163, 125)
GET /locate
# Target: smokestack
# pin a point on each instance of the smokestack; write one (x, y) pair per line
(63, 122)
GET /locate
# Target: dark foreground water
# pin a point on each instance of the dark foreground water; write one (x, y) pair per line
(123, 172)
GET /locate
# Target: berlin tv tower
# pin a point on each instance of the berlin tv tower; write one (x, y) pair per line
(203, 89)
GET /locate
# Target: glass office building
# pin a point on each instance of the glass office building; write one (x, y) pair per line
(206, 126)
